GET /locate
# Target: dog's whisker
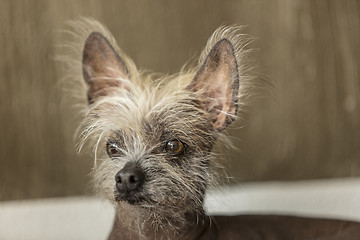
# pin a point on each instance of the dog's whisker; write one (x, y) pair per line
(154, 136)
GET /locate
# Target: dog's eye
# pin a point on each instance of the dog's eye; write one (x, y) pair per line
(112, 149)
(174, 147)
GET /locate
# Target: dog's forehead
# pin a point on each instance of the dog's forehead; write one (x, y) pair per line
(147, 112)
(150, 119)
(150, 104)
(153, 117)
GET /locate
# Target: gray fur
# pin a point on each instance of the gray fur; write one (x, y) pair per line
(139, 114)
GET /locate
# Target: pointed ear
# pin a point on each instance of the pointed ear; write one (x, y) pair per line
(103, 69)
(217, 83)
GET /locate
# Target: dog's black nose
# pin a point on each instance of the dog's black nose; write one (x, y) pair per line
(129, 178)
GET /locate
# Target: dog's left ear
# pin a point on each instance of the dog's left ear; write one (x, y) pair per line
(217, 83)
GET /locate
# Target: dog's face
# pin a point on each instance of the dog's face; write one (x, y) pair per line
(154, 137)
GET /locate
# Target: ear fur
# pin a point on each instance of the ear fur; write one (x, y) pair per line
(217, 84)
(103, 69)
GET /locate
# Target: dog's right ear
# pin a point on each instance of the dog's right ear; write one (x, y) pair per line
(103, 69)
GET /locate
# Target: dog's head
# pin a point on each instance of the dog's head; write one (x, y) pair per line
(154, 136)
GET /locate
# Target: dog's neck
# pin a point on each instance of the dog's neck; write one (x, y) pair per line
(140, 227)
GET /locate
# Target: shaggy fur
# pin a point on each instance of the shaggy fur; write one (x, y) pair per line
(140, 111)
(154, 139)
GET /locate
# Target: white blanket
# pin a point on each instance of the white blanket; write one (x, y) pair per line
(91, 218)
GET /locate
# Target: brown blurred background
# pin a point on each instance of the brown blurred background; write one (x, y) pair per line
(305, 127)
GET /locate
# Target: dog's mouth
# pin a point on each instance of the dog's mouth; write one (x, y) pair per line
(133, 198)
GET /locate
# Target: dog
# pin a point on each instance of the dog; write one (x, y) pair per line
(154, 139)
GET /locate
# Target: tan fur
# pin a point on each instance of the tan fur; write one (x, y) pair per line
(135, 114)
